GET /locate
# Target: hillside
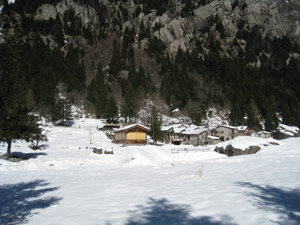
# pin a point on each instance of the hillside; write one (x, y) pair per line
(109, 56)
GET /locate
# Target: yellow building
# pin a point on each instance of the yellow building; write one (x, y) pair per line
(132, 134)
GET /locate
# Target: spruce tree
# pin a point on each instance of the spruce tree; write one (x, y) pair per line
(112, 109)
(156, 121)
(115, 62)
(16, 121)
(129, 106)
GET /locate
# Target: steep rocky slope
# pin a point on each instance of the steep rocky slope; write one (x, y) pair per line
(192, 54)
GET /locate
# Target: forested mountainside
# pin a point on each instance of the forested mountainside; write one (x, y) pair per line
(110, 56)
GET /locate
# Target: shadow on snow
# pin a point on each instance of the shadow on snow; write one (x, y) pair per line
(284, 202)
(32, 155)
(162, 212)
(18, 201)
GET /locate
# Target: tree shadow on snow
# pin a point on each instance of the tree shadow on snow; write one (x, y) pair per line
(27, 155)
(284, 202)
(18, 201)
(163, 212)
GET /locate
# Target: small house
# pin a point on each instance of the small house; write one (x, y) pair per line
(264, 134)
(108, 129)
(243, 131)
(226, 132)
(196, 136)
(174, 133)
(132, 134)
(212, 140)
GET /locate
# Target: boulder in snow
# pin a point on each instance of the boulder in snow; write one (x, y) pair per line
(285, 131)
(243, 145)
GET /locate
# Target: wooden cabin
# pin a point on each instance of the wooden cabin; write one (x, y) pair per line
(132, 134)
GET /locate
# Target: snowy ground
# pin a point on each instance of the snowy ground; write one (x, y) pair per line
(68, 184)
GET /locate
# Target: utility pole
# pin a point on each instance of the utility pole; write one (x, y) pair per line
(90, 135)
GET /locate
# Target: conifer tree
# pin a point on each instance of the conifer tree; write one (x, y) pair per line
(129, 106)
(112, 108)
(16, 121)
(61, 110)
(115, 62)
(156, 122)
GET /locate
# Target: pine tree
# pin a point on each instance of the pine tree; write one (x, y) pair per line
(156, 122)
(98, 93)
(38, 137)
(112, 109)
(129, 106)
(61, 110)
(115, 62)
(16, 122)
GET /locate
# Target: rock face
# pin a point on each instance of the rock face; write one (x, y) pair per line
(276, 18)
(46, 12)
(87, 14)
(173, 34)
(231, 151)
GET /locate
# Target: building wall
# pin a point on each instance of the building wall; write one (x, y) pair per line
(131, 137)
(120, 137)
(136, 136)
(246, 132)
(265, 135)
(202, 138)
(194, 140)
(226, 133)
(213, 141)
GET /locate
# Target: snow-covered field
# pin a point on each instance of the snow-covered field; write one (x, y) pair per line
(68, 184)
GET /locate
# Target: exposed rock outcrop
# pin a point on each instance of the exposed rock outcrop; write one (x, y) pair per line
(231, 151)
(86, 13)
(46, 12)
(276, 18)
(243, 145)
(285, 131)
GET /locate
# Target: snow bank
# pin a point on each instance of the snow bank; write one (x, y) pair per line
(244, 142)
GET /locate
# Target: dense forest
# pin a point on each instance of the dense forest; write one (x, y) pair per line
(260, 79)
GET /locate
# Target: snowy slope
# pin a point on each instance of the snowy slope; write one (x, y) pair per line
(68, 184)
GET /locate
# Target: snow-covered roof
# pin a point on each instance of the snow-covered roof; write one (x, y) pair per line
(176, 110)
(179, 130)
(213, 137)
(173, 126)
(264, 132)
(228, 126)
(194, 130)
(131, 126)
(242, 128)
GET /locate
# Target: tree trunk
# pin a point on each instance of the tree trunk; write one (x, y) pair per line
(8, 148)
(37, 142)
